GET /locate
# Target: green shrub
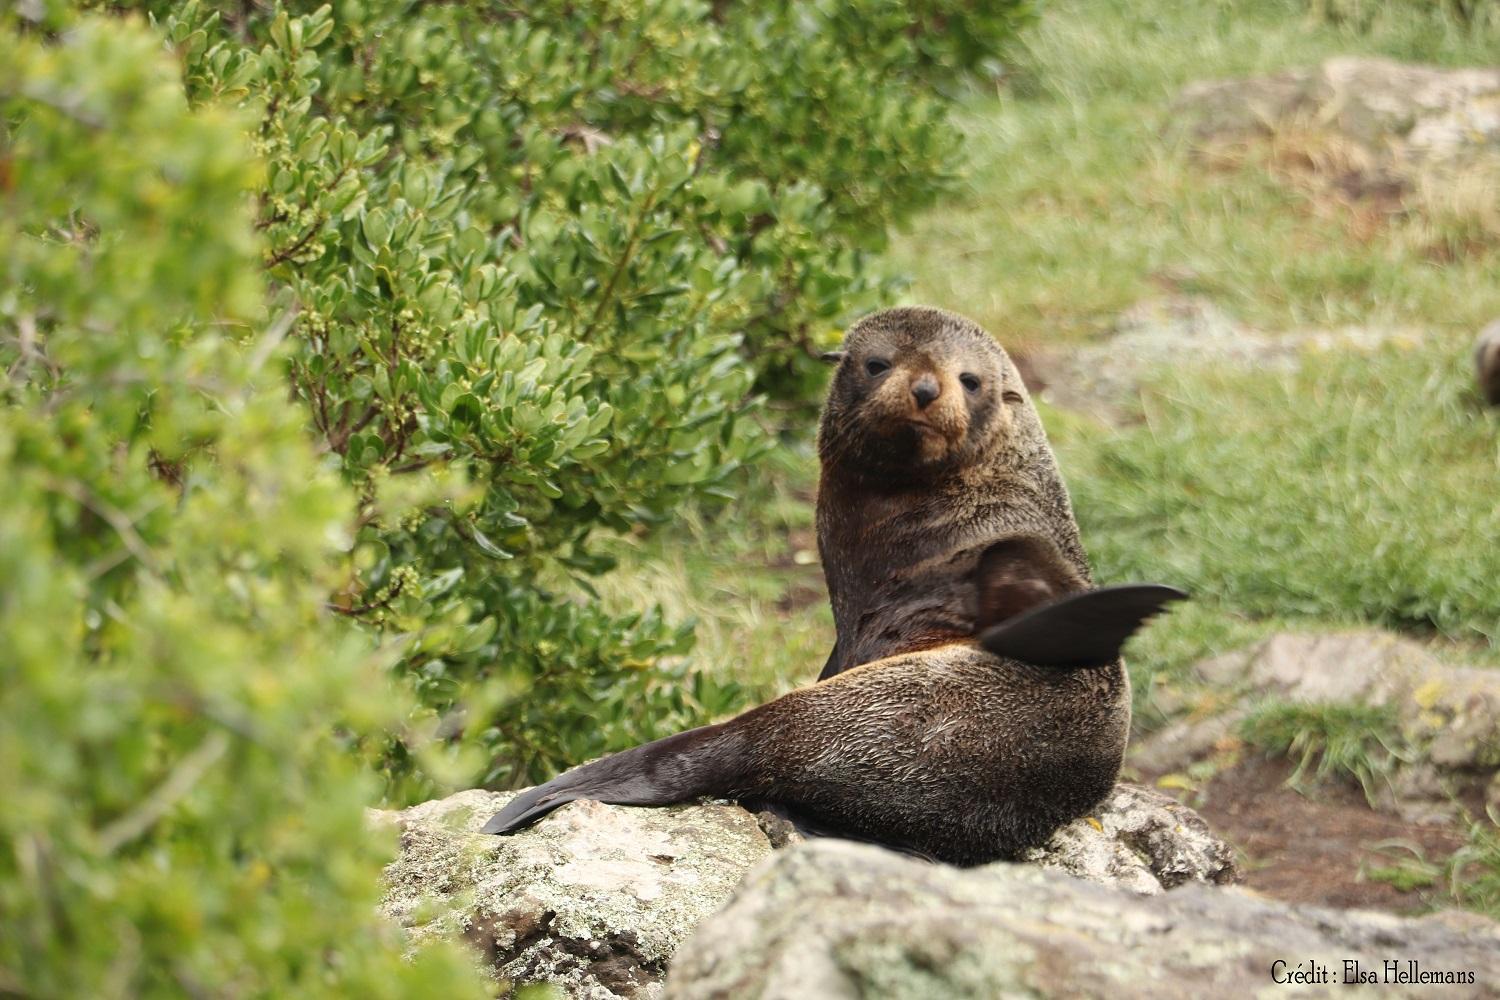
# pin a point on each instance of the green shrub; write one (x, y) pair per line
(181, 816)
(1358, 489)
(542, 260)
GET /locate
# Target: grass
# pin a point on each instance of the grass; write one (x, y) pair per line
(1359, 489)
(1351, 741)
(1078, 205)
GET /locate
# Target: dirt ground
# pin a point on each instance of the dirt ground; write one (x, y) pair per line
(1318, 845)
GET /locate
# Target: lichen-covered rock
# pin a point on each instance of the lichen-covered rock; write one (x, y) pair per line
(830, 919)
(1140, 840)
(1410, 112)
(597, 898)
(594, 899)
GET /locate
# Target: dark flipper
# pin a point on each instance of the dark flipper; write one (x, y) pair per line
(832, 666)
(702, 761)
(1079, 630)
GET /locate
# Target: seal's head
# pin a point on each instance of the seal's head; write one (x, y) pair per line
(919, 393)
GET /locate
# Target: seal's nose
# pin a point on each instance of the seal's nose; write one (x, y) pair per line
(925, 389)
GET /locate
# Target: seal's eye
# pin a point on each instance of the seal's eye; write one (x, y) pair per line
(1011, 396)
(875, 366)
(970, 382)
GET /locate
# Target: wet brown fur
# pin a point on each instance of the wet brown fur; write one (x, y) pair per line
(951, 752)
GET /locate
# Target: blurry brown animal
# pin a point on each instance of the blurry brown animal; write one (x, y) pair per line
(1487, 363)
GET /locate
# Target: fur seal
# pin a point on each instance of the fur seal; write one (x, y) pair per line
(1487, 363)
(944, 743)
(931, 452)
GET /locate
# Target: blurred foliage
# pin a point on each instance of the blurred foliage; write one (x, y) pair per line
(1362, 15)
(541, 262)
(527, 273)
(181, 816)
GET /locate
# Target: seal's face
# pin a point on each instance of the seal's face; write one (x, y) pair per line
(919, 391)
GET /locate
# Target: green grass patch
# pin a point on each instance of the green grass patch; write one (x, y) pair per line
(1474, 870)
(1326, 741)
(1077, 206)
(1358, 489)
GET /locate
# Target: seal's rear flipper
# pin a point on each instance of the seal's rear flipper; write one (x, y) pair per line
(1079, 630)
(698, 762)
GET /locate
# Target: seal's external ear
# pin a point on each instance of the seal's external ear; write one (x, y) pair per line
(1079, 630)
(1018, 574)
(832, 357)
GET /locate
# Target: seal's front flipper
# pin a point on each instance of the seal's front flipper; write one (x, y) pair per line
(831, 667)
(1079, 630)
(702, 761)
(1017, 574)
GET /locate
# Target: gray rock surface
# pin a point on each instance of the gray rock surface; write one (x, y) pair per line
(836, 920)
(1452, 712)
(1409, 112)
(1140, 840)
(596, 899)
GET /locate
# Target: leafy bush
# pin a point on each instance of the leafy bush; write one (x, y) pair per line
(1360, 488)
(180, 819)
(554, 252)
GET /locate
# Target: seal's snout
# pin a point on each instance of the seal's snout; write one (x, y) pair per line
(924, 389)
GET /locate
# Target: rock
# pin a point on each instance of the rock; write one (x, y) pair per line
(1183, 742)
(1181, 332)
(831, 919)
(1419, 793)
(1406, 111)
(1452, 712)
(1449, 714)
(596, 899)
(1365, 666)
(1142, 841)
